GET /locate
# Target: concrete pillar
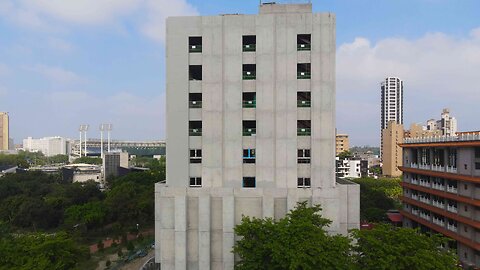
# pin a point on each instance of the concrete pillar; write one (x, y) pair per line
(228, 235)
(204, 233)
(268, 206)
(180, 232)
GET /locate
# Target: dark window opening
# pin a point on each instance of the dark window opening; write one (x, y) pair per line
(249, 100)
(195, 128)
(303, 155)
(249, 182)
(195, 181)
(249, 43)
(249, 128)
(477, 152)
(195, 44)
(477, 165)
(304, 42)
(248, 155)
(303, 182)
(195, 155)
(303, 99)
(249, 72)
(303, 71)
(303, 128)
(195, 100)
(195, 72)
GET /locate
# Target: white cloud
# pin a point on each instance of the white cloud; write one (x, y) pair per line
(54, 15)
(158, 11)
(57, 74)
(438, 71)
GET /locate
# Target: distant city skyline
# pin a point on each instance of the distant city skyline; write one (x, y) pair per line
(62, 65)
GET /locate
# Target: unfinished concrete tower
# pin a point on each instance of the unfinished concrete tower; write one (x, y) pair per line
(250, 130)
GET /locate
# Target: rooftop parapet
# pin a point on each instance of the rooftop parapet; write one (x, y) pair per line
(462, 137)
(298, 6)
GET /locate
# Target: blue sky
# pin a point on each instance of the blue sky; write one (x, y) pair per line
(63, 63)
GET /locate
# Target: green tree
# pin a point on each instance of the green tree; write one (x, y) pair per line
(345, 154)
(58, 159)
(387, 247)
(88, 160)
(40, 251)
(298, 241)
(92, 214)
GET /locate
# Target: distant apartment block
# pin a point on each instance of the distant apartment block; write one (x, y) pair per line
(341, 143)
(391, 104)
(250, 130)
(441, 189)
(392, 152)
(4, 132)
(350, 168)
(49, 146)
(447, 125)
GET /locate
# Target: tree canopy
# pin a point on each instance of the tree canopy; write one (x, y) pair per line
(300, 241)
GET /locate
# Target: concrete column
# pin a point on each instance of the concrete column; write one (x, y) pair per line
(228, 235)
(268, 206)
(180, 232)
(204, 233)
(292, 199)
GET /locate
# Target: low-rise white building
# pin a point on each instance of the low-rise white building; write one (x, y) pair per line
(49, 146)
(347, 168)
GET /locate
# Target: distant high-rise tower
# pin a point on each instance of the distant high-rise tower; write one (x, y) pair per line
(4, 131)
(392, 103)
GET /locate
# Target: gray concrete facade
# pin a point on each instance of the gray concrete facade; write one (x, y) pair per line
(194, 225)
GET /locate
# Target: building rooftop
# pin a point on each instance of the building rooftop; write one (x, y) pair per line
(299, 6)
(460, 137)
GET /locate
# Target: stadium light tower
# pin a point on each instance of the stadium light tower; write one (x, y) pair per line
(85, 135)
(108, 127)
(102, 128)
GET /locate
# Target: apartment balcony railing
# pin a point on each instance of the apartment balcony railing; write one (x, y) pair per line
(195, 104)
(438, 186)
(424, 183)
(303, 75)
(451, 169)
(195, 48)
(195, 132)
(457, 138)
(452, 189)
(249, 47)
(303, 103)
(249, 131)
(415, 197)
(304, 131)
(424, 216)
(304, 47)
(439, 222)
(424, 200)
(415, 212)
(415, 181)
(438, 168)
(249, 104)
(438, 204)
(424, 166)
(414, 165)
(452, 228)
(249, 75)
(452, 209)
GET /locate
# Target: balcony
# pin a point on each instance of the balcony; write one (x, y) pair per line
(438, 186)
(414, 181)
(424, 183)
(415, 212)
(414, 165)
(249, 131)
(452, 209)
(459, 138)
(439, 222)
(438, 204)
(438, 168)
(452, 228)
(304, 132)
(424, 216)
(249, 47)
(424, 166)
(195, 132)
(424, 200)
(249, 104)
(415, 197)
(452, 189)
(451, 169)
(303, 75)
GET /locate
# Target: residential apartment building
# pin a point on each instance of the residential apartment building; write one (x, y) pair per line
(341, 143)
(350, 168)
(441, 189)
(446, 126)
(392, 152)
(4, 132)
(250, 130)
(391, 104)
(49, 146)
